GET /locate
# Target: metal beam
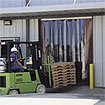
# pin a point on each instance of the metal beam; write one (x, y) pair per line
(67, 15)
(27, 30)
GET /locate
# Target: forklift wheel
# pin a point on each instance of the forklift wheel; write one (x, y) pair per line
(13, 92)
(41, 89)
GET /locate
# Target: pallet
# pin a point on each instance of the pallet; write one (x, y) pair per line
(63, 74)
(64, 84)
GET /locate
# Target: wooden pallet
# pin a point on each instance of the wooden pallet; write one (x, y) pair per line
(63, 74)
(64, 84)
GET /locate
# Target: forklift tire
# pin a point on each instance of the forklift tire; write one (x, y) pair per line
(41, 89)
(13, 92)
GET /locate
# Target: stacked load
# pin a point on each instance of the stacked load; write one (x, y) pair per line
(63, 74)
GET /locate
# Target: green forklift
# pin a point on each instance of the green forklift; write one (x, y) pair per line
(29, 81)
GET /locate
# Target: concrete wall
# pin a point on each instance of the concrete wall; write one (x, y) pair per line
(22, 3)
(99, 50)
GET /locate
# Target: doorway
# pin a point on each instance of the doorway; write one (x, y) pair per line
(69, 40)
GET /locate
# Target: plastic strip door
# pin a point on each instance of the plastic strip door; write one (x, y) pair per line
(83, 47)
(73, 40)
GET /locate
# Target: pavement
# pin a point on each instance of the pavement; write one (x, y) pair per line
(71, 95)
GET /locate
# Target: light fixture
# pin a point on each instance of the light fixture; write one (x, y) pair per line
(7, 22)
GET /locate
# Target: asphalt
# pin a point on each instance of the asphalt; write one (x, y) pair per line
(70, 95)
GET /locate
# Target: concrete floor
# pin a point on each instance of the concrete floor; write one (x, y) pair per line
(71, 95)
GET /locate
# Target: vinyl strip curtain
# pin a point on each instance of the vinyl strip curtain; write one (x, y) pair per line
(76, 33)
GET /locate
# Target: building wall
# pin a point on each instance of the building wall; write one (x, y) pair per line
(22, 3)
(57, 2)
(17, 29)
(86, 1)
(99, 50)
(34, 28)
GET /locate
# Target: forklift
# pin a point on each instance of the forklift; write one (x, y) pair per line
(29, 81)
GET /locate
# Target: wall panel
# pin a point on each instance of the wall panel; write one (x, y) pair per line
(12, 3)
(34, 30)
(21, 3)
(103, 48)
(17, 29)
(57, 2)
(99, 50)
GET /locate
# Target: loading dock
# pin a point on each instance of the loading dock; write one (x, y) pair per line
(19, 16)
